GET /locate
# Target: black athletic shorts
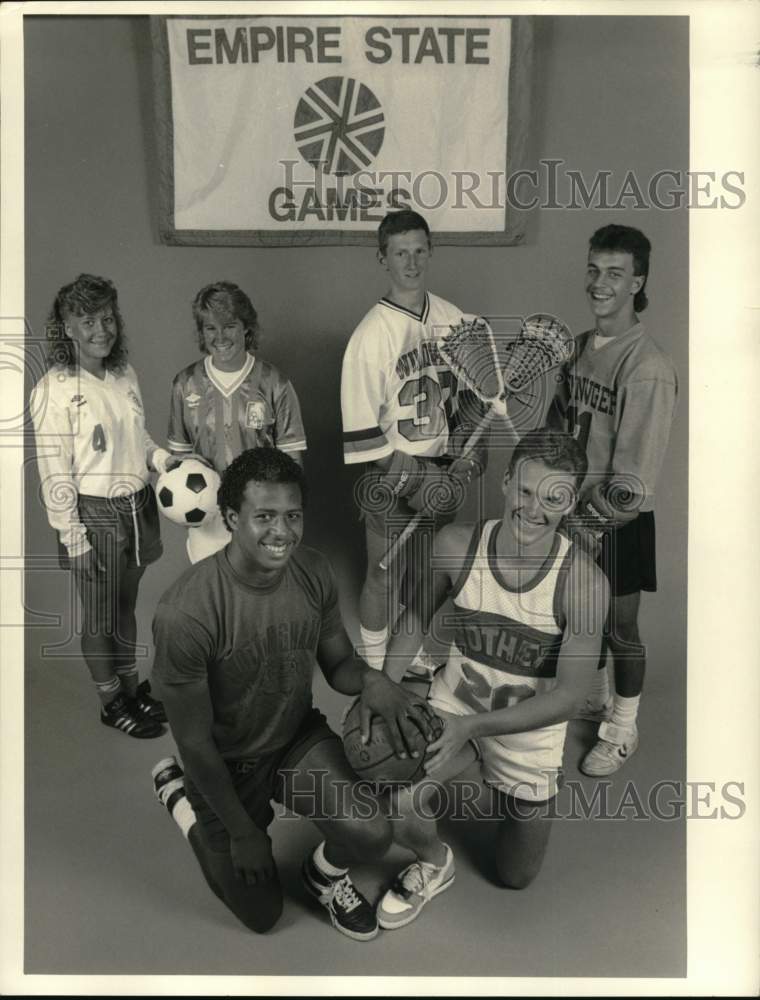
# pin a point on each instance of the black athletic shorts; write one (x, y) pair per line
(120, 528)
(259, 781)
(628, 556)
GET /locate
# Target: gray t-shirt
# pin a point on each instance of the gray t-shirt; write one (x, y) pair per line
(255, 647)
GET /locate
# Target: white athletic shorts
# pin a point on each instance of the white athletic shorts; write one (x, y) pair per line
(527, 766)
(207, 538)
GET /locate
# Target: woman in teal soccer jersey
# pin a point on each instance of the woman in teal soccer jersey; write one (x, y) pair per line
(94, 455)
(229, 400)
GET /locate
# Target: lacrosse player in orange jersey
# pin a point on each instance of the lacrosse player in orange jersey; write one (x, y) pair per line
(618, 399)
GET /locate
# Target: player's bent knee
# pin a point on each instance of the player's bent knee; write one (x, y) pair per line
(261, 917)
(515, 880)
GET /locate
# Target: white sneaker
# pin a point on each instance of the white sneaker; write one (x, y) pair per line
(613, 748)
(592, 711)
(414, 886)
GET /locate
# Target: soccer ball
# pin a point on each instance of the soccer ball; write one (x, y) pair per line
(187, 494)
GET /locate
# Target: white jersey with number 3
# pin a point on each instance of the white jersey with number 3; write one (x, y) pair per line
(397, 392)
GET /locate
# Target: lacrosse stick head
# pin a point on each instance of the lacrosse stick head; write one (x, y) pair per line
(544, 343)
(471, 353)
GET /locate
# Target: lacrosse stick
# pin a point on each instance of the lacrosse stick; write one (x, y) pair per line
(495, 370)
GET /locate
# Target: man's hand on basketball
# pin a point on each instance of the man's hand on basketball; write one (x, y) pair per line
(252, 858)
(404, 713)
(454, 736)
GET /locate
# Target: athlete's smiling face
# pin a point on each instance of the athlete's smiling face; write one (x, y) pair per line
(224, 339)
(536, 498)
(267, 528)
(95, 333)
(406, 260)
(611, 286)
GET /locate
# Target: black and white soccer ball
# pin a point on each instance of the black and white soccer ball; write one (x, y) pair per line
(187, 494)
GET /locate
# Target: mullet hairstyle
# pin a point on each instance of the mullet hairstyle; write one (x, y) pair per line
(395, 223)
(626, 239)
(84, 296)
(556, 449)
(228, 299)
(257, 465)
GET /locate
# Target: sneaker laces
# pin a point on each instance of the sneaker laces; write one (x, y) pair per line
(346, 895)
(416, 877)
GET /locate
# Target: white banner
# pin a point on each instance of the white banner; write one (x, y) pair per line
(304, 125)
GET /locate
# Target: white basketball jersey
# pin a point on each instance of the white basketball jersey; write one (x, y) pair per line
(506, 640)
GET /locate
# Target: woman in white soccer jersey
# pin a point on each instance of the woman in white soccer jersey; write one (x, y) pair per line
(94, 455)
(229, 400)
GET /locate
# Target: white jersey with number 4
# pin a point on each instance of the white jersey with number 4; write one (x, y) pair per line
(397, 392)
(91, 438)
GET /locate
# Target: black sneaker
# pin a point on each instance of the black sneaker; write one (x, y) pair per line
(350, 913)
(149, 706)
(122, 713)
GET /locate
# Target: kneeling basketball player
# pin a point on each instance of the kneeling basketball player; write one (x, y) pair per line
(237, 637)
(529, 608)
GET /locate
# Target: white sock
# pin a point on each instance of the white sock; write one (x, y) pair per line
(373, 646)
(184, 815)
(173, 796)
(600, 689)
(324, 865)
(624, 711)
(423, 663)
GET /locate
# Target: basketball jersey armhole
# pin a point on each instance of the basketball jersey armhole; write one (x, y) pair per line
(472, 548)
(561, 588)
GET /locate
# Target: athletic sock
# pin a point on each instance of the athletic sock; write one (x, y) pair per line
(324, 865)
(184, 816)
(108, 690)
(624, 711)
(172, 795)
(129, 678)
(373, 646)
(600, 690)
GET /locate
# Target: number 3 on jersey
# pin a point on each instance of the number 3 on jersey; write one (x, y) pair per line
(433, 401)
(98, 438)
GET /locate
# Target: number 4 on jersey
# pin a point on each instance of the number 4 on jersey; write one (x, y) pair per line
(98, 438)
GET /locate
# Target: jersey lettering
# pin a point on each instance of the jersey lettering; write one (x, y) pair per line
(580, 426)
(98, 438)
(474, 690)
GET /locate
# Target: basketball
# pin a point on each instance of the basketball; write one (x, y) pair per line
(376, 760)
(187, 494)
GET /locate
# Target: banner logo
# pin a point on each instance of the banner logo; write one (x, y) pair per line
(339, 125)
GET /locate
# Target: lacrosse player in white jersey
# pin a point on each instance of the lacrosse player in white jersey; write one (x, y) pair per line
(94, 455)
(405, 414)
